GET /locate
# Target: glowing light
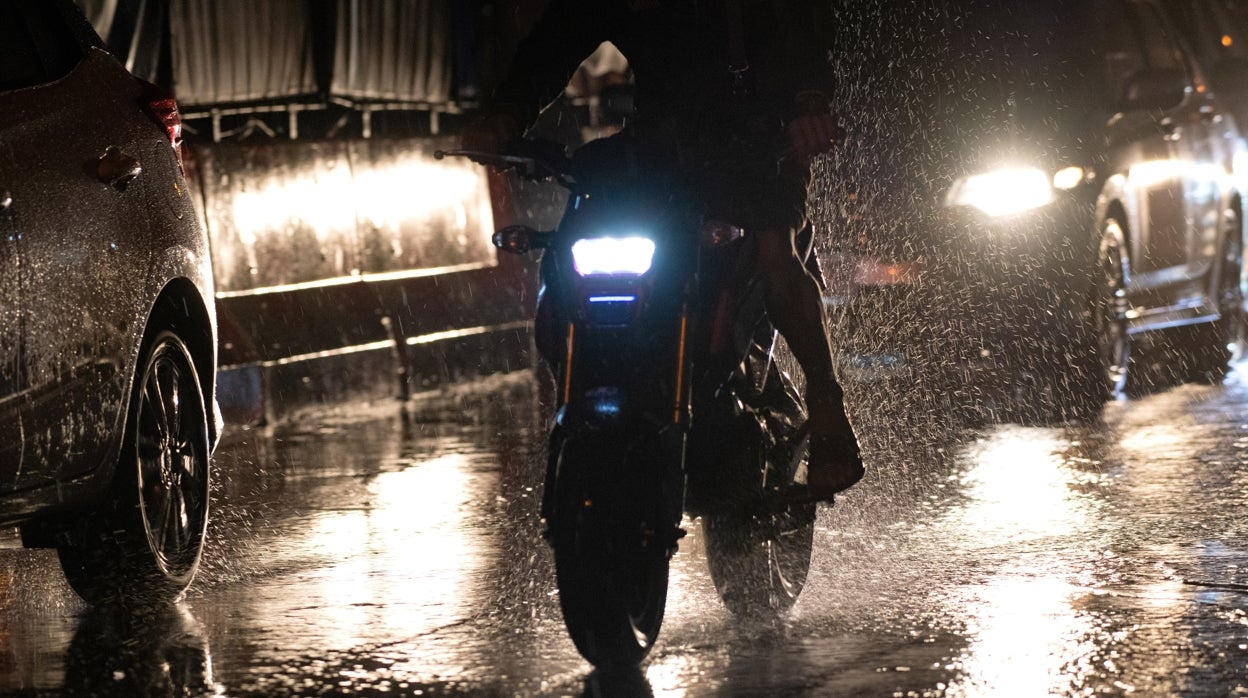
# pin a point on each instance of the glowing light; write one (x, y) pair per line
(1019, 488)
(1227, 40)
(1029, 632)
(1002, 192)
(411, 563)
(1068, 177)
(630, 256)
(1239, 164)
(318, 199)
(1028, 638)
(335, 199)
(612, 299)
(667, 676)
(413, 188)
(1154, 172)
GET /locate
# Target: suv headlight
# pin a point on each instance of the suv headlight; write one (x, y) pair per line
(1002, 192)
(606, 256)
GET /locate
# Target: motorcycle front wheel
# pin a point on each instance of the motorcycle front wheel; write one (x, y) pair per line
(611, 555)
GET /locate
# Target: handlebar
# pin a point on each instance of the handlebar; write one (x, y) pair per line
(532, 159)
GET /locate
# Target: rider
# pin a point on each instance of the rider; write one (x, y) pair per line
(734, 81)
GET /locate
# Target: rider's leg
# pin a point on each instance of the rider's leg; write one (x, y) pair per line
(795, 306)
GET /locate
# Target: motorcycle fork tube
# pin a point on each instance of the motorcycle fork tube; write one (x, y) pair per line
(566, 393)
(680, 403)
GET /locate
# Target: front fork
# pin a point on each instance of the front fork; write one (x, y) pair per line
(563, 362)
(668, 432)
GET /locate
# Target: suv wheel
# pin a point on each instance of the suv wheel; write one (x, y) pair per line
(1109, 310)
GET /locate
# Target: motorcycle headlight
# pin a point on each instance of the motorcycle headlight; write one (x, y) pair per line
(608, 256)
(1002, 192)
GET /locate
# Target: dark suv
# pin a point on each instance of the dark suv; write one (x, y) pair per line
(1057, 179)
(107, 332)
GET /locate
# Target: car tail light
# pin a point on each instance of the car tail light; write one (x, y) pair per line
(160, 105)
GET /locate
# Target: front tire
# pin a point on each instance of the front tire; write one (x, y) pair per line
(613, 534)
(145, 542)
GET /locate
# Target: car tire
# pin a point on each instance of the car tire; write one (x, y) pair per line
(1109, 306)
(143, 544)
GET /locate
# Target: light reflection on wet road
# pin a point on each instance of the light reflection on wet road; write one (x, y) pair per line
(364, 554)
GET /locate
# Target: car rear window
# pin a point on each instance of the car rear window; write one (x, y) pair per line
(36, 46)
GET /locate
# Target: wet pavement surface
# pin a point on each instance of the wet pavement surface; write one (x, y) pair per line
(373, 551)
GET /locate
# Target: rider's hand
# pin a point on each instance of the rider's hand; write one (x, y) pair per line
(811, 135)
(490, 134)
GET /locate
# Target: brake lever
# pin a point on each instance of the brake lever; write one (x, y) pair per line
(483, 157)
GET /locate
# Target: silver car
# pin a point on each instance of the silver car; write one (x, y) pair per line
(1068, 187)
(107, 329)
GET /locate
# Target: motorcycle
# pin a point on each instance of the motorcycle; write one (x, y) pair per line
(669, 399)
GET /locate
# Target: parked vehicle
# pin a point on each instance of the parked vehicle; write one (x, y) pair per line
(652, 314)
(1062, 172)
(107, 331)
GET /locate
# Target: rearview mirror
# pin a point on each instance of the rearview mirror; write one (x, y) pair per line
(1154, 88)
(518, 239)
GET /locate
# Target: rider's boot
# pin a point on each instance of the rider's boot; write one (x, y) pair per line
(835, 463)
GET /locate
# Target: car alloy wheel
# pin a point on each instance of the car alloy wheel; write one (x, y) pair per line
(1110, 309)
(142, 545)
(172, 459)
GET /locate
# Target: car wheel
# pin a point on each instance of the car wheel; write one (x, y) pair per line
(144, 543)
(1109, 310)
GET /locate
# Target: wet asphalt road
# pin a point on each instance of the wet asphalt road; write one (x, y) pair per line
(361, 553)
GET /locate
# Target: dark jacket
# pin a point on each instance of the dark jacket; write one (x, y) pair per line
(679, 53)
